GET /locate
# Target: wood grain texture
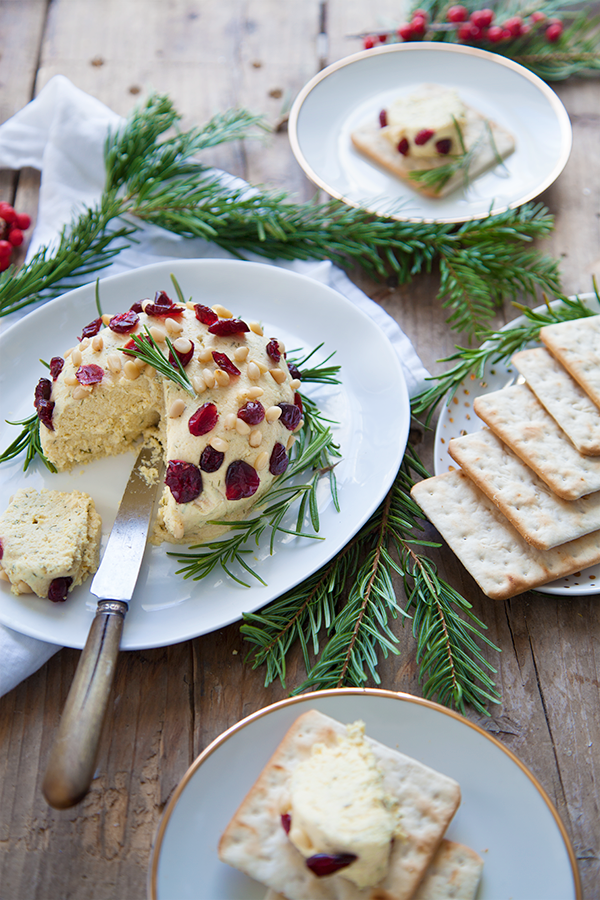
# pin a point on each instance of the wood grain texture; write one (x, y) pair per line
(168, 704)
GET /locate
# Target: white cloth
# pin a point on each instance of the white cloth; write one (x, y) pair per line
(62, 133)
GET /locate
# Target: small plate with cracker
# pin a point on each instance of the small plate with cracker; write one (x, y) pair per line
(335, 130)
(504, 834)
(521, 445)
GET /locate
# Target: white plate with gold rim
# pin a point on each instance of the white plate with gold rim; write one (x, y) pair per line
(458, 418)
(505, 814)
(352, 91)
(296, 309)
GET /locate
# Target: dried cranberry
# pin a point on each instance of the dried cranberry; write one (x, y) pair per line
(290, 416)
(45, 410)
(223, 362)
(43, 391)
(91, 374)
(59, 588)
(205, 314)
(184, 479)
(91, 329)
(327, 863)
(1, 549)
(294, 371)
(203, 420)
(298, 402)
(443, 146)
(137, 306)
(183, 358)
(162, 307)
(252, 412)
(286, 822)
(273, 350)
(211, 459)
(403, 147)
(241, 480)
(224, 327)
(134, 344)
(383, 118)
(124, 323)
(279, 460)
(56, 366)
(424, 135)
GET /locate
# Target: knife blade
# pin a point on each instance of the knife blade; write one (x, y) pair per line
(73, 756)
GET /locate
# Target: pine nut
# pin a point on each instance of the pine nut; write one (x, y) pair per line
(3, 576)
(273, 413)
(256, 328)
(178, 529)
(220, 445)
(205, 355)
(176, 409)
(255, 439)
(130, 370)
(76, 357)
(97, 343)
(173, 327)
(71, 380)
(222, 311)
(209, 378)
(114, 363)
(229, 421)
(189, 304)
(221, 377)
(23, 588)
(290, 442)
(261, 461)
(146, 303)
(182, 345)
(278, 375)
(81, 392)
(158, 334)
(106, 318)
(254, 393)
(240, 354)
(198, 384)
(84, 344)
(242, 427)
(67, 353)
(253, 371)
(139, 363)
(295, 384)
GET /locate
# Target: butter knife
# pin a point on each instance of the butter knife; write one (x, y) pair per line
(73, 755)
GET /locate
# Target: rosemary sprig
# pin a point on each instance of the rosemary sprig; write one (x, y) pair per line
(438, 176)
(29, 442)
(149, 352)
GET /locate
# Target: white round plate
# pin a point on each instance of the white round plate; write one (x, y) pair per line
(352, 91)
(301, 312)
(504, 815)
(458, 418)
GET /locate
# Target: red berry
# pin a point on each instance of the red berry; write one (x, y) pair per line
(383, 118)
(241, 480)
(6, 248)
(163, 307)
(124, 323)
(286, 819)
(290, 416)
(525, 29)
(7, 213)
(506, 34)
(298, 403)
(443, 146)
(205, 314)
(2, 554)
(422, 13)
(554, 31)
(23, 221)
(482, 18)
(476, 33)
(43, 391)
(403, 147)
(59, 588)
(211, 459)
(278, 462)
(418, 25)
(405, 31)
(15, 236)
(252, 413)
(368, 42)
(203, 420)
(327, 863)
(495, 34)
(184, 356)
(294, 371)
(424, 135)
(4, 263)
(224, 327)
(273, 348)
(224, 363)
(514, 25)
(56, 366)
(90, 374)
(538, 16)
(464, 31)
(382, 38)
(457, 14)
(184, 479)
(92, 329)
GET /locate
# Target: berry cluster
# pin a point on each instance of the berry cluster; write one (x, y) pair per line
(479, 26)
(12, 226)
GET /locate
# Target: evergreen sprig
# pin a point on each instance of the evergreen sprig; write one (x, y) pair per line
(27, 442)
(147, 350)
(159, 180)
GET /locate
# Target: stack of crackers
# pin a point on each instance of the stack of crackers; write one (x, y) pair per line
(423, 864)
(524, 509)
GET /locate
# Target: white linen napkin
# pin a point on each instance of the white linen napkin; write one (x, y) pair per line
(62, 133)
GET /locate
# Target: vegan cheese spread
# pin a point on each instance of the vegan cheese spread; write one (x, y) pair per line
(427, 124)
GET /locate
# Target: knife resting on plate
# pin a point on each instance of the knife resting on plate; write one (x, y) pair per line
(73, 756)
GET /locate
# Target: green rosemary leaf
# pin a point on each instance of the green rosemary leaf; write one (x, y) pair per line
(29, 442)
(149, 352)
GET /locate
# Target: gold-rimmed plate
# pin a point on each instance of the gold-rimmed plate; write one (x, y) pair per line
(351, 92)
(505, 814)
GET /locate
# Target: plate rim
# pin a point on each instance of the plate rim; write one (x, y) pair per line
(178, 265)
(402, 696)
(545, 589)
(444, 47)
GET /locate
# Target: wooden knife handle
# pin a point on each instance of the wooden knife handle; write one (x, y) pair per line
(73, 756)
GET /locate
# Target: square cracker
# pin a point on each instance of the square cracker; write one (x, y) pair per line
(576, 344)
(255, 842)
(369, 140)
(499, 559)
(562, 397)
(544, 520)
(519, 419)
(455, 871)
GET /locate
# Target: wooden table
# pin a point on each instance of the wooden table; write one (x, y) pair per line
(168, 704)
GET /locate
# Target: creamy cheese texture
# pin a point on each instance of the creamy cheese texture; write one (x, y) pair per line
(338, 805)
(130, 400)
(427, 121)
(47, 536)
